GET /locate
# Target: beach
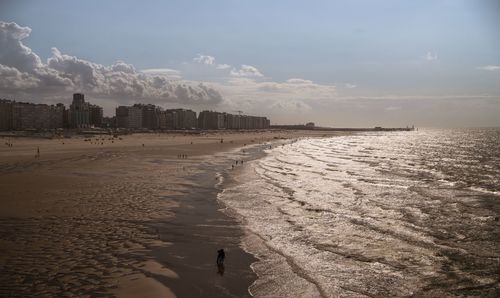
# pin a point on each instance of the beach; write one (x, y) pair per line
(135, 215)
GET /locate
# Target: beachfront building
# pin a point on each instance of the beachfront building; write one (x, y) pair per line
(231, 121)
(162, 120)
(121, 116)
(82, 114)
(6, 108)
(180, 119)
(129, 117)
(150, 115)
(210, 120)
(216, 120)
(254, 122)
(95, 114)
(24, 115)
(139, 116)
(37, 116)
(79, 112)
(134, 117)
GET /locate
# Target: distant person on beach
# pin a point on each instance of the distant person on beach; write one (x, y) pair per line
(220, 257)
(220, 261)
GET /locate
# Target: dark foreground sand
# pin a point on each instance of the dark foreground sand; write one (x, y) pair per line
(119, 218)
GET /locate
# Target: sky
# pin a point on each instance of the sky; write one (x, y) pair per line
(359, 63)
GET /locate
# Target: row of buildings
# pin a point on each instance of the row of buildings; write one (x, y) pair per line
(24, 115)
(153, 117)
(81, 114)
(217, 120)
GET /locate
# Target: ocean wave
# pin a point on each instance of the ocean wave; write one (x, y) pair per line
(399, 228)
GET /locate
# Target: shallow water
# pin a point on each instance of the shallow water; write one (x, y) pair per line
(375, 214)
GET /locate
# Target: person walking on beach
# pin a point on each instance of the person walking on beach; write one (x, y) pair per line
(220, 257)
(37, 152)
(220, 261)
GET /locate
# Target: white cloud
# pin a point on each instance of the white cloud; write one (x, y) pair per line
(123, 67)
(207, 60)
(277, 100)
(14, 79)
(350, 86)
(170, 73)
(12, 52)
(489, 67)
(223, 66)
(204, 59)
(305, 88)
(246, 71)
(23, 72)
(429, 56)
(299, 81)
(290, 106)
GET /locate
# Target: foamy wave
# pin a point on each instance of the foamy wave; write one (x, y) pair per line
(360, 216)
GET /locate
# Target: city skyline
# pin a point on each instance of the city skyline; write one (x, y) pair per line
(362, 64)
(82, 114)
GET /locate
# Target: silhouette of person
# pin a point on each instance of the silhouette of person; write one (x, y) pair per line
(220, 256)
(220, 261)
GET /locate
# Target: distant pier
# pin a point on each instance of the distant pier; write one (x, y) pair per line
(318, 128)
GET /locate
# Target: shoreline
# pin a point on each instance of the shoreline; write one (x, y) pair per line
(123, 218)
(268, 260)
(199, 215)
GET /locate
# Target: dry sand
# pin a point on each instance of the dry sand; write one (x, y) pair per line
(127, 218)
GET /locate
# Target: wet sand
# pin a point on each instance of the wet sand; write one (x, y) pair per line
(124, 218)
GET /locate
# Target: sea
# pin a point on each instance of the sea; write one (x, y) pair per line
(373, 214)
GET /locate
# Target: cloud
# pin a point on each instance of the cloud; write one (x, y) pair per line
(170, 73)
(13, 79)
(294, 106)
(350, 86)
(489, 67)
(246, 71)
(278, 100)
(299, 81)
(23, 72)
(208, 60)
(305, 88)
(204, 59)
(223, 66)
(430, 56)
(12, 52)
